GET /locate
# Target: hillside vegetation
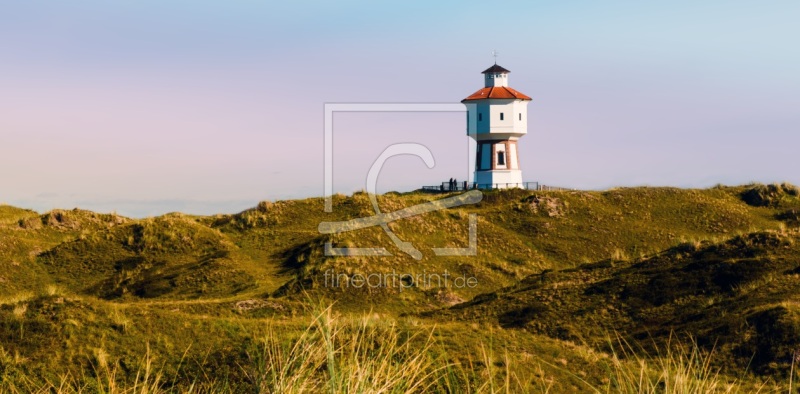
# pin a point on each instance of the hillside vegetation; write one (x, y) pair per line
(569, 291)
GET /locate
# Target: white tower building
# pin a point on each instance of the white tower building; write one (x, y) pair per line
(496, 119)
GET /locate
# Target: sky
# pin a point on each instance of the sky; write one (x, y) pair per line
(152, 106)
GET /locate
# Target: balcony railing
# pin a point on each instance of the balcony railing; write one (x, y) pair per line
(460, 186)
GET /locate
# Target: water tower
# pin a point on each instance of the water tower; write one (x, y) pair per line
(496, 119)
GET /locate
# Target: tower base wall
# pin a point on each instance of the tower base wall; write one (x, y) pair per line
(499, 179)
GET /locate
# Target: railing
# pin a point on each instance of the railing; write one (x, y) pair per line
(547, 188)
(460, 186)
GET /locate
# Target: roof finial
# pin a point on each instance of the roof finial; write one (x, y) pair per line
(495, 53)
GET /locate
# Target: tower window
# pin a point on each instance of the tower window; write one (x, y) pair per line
(501, 116)
(480, 117)
(501, 158)
(520, 116)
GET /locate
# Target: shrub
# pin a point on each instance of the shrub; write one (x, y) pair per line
(769, 195)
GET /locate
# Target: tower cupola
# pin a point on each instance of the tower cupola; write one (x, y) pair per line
(495, 76)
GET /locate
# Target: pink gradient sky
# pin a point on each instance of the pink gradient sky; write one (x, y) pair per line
(146, 107)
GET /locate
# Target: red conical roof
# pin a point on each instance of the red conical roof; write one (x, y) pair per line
(496, 92)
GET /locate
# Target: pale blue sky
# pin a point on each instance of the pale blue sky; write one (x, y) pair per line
(146, 107)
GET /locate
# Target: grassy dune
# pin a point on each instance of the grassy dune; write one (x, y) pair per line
(628, 290)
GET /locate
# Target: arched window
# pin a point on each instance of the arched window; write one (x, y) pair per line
(501, 116)
(480, 116)
(520, 116)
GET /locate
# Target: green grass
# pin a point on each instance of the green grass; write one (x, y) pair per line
(345, 354)
(101, 303)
